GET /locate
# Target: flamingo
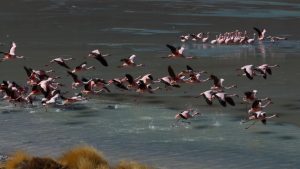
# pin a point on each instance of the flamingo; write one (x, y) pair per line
(186, 114)
(82, 67)
(208, 96)
(61, 61)
(248, 71)
(175, 52)
(257, 105)
(259, 115)
(132, 82)
(205, 39)
(250, 41)
(184, 38)
(265, 69)
(276, 38)
(261, 33)
(224, 98)
(76, 82)
(129, 62)
(99, 56)
(218, 84)
(168, 82)
(70, 100)
(147, 79)
(118, 83)
(142, 88)
(11, 54)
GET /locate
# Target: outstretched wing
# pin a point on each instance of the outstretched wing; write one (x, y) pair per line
(101, 60)
(172, 48)
(74, 76)
(129, 78)
(215, 79)
(258, 31)
(28, 71)
(13, 49)
(269, 70)
(189, 68)
(230, 101)
(171, 72)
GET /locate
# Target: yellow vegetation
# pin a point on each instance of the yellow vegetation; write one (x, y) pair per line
(83, 157)
(17, 160)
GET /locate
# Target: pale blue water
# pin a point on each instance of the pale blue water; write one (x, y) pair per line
(140, 128)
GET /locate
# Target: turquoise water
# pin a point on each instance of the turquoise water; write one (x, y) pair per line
(125, 125)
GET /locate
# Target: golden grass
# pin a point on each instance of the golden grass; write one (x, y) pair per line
(17, 160)
(83, 157)
(131, 165)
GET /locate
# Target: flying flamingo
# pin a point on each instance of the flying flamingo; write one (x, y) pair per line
(99, 56)
(258, 116)
(61, 62)
(208, 96)
(261, 33)
(265, 69)
(185, 115)
(11, 54)
(82, 67)
(147, 79)
(129, 62)
(224, 98)
(248, 71)
(218, 84)
(257, 106)
(176, 52)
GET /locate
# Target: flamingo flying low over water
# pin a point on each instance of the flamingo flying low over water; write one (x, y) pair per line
(265, 69)
(261, 33)
(129, 62)
(186, 114)
(82, 67)
(61, 62)
(99, 56)
(258, 116)
(224, 98)
(11, 54)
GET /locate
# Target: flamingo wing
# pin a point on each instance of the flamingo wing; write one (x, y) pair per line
(230, 101)
(269, 70)
(28, 71)
(63, 64)
(172, 48)
(258, 31)
(189, 68)
(171, 72)
(215, 79)
(74, 76)
(13, 49)
(101, 60)
(129, 78)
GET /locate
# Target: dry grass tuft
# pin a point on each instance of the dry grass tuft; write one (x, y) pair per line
(17, 160)
(131, 165)
(83, 157)
(42, 163)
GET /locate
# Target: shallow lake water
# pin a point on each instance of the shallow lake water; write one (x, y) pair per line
(126, 125)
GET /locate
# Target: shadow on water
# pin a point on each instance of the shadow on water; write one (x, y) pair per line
(74, 123)
(86, 114)
(265, 132)
(287, 137)
(200, 127)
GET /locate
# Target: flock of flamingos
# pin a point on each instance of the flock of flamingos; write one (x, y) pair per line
(45, 89)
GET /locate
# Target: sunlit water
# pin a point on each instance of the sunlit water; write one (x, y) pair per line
(125, 125)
